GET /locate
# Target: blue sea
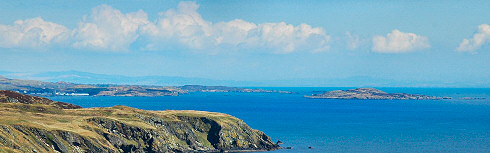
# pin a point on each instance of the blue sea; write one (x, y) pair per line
(329, 125)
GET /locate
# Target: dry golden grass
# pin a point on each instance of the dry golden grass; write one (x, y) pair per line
(73, 120)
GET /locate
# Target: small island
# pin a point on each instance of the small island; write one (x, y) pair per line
(371, 93)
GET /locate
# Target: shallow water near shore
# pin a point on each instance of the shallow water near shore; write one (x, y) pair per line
(330, 125)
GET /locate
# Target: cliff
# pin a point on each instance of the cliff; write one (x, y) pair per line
(42, 126)
(371, 93)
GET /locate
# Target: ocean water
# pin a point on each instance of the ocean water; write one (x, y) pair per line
(342, 125)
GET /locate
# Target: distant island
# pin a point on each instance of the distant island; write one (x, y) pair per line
(36, 124)
(40, 88)
(371, 93)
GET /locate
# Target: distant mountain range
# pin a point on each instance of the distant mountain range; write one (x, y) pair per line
(356, 81)
(92, 78)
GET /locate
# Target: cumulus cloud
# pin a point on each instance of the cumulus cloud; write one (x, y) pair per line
(183, 25)
(399, 42)
(288, 38)
(109, 29)
(186, 26)
(234, 32)
(32, 33)
(479, 39)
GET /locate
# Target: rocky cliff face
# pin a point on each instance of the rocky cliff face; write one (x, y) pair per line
(39, 127)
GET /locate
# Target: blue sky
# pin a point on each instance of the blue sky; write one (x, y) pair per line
(443, 41)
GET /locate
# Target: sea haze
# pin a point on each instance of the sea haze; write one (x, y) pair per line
(330, 125)
(354, 81)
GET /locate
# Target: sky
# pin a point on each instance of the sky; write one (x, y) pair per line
(440, 41)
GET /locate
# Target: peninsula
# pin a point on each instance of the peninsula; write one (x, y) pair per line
(35, 124)
(40, 88)
(371, 93)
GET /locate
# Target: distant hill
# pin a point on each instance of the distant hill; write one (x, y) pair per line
(354, 81)
(31, 85)
(7, 96)
(93, 78)
(60, 88)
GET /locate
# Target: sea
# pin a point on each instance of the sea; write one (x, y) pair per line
(330, 125)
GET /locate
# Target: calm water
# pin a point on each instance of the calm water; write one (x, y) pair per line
(341, 125)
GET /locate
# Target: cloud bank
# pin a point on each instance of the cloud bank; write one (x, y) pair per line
(186, 26)
(479, 39)
(32, 33)
(399, 42)
(108, 29)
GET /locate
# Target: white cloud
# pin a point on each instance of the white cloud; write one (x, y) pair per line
(399, 42)
(109, 29)
(353, 41)
(234, 32)
(183, 25)
(186, 26)
(479, 39)
(287, 38)
(32, 33)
